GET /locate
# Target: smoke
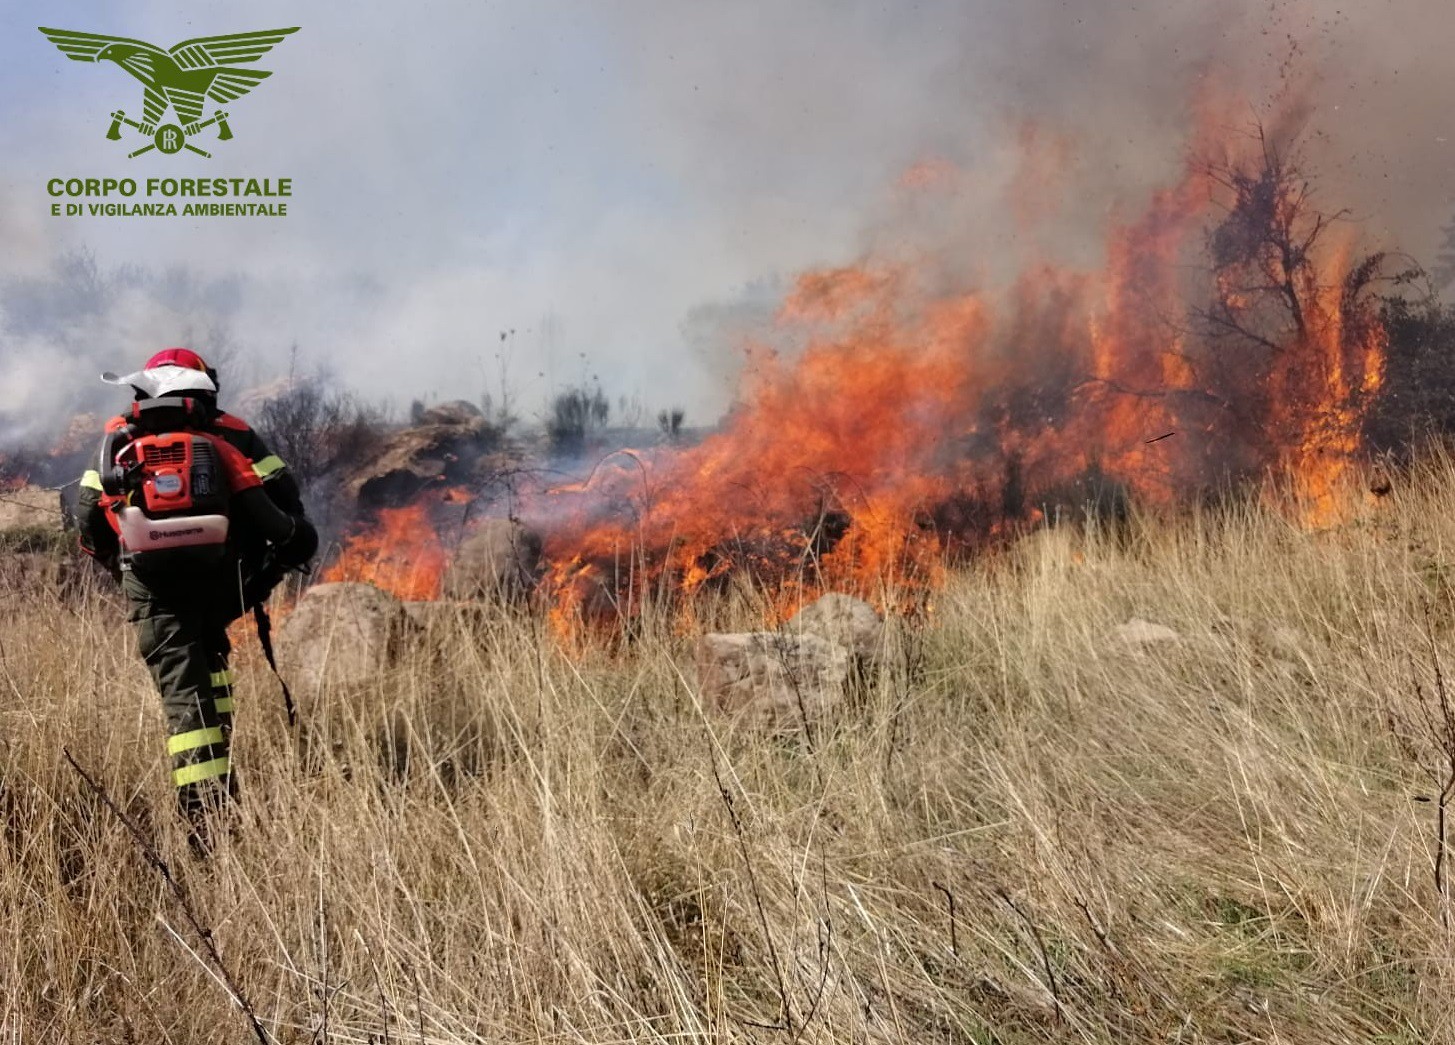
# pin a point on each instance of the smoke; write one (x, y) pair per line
(626, 185)
(933, 133)
(66, 319)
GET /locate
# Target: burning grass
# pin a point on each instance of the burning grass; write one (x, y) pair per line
(400, 552)
(1024, 830)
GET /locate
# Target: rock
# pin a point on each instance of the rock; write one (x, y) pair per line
(850, 622)
(776, 678)
(499, 559)
(771, 676)
(36, 554)
(340, 635)
(441, 622)
(1140, 632)
(455, 412)
(443, 448)
(1380, 483)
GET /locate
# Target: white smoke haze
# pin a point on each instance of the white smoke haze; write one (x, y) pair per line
(630, 186)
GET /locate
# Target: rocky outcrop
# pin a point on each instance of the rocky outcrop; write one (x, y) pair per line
(499, 559)
(782, 678)
(29, 510)
(35, 551)
(456, 412)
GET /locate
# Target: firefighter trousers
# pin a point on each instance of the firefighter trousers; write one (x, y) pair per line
(182, 636)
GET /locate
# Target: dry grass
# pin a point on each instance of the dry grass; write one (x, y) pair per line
(1214, 840)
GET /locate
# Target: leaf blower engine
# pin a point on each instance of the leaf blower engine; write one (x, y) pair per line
(172, 494)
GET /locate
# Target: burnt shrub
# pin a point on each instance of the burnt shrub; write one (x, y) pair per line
(574, 415)
(322, 432)
(1416, 398)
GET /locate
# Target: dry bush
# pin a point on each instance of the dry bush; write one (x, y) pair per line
(1025, 830)
(323, 432)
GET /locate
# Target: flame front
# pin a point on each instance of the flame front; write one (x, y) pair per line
(921, 414)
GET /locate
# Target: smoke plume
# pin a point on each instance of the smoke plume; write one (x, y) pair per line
(627, 186)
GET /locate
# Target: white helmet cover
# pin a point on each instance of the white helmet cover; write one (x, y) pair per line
(164, 380)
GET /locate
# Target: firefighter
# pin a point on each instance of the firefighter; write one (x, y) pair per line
(181, 606)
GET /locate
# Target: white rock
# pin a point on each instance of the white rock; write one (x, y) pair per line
(500, 558)
(30, 507)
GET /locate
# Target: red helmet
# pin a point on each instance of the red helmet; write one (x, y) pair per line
(183, 357)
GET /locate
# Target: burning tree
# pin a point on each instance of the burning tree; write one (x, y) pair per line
(1296, 312)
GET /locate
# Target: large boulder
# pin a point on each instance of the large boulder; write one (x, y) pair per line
(441, 622)
(771, 677)
(455, 412)
(341, 635)
(850, 622)
(499, 559)
(445, 446)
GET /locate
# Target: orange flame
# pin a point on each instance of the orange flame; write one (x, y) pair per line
(401, 553)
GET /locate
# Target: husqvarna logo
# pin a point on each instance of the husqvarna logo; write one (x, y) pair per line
(158, 535)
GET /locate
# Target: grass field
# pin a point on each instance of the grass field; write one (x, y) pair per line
(1024, 829)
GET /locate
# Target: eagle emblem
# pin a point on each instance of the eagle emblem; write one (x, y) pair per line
(183, 80)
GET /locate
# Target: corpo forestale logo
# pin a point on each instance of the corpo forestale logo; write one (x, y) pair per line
(182, 80)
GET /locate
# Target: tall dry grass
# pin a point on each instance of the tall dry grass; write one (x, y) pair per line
(1024, 829)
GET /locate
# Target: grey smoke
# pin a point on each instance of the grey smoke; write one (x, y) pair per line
(628, 186)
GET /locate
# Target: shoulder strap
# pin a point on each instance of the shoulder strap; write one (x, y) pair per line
(222, 419)
(265, 639)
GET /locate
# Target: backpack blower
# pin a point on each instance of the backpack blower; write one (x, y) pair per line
(173, 493)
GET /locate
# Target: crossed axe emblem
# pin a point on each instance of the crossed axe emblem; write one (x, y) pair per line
(169, 137)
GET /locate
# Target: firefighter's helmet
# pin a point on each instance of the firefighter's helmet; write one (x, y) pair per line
(172, 371)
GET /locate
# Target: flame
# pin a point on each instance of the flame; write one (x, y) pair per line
(923, 414)
(1341, 369)
(851, 431)
(901, 426)
(400, 553)
(1326, 367)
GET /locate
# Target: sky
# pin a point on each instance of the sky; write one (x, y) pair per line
(629, 184)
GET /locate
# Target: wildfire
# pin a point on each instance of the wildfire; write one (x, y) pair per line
(1344, 359)
(923, 415)
(400, 553)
